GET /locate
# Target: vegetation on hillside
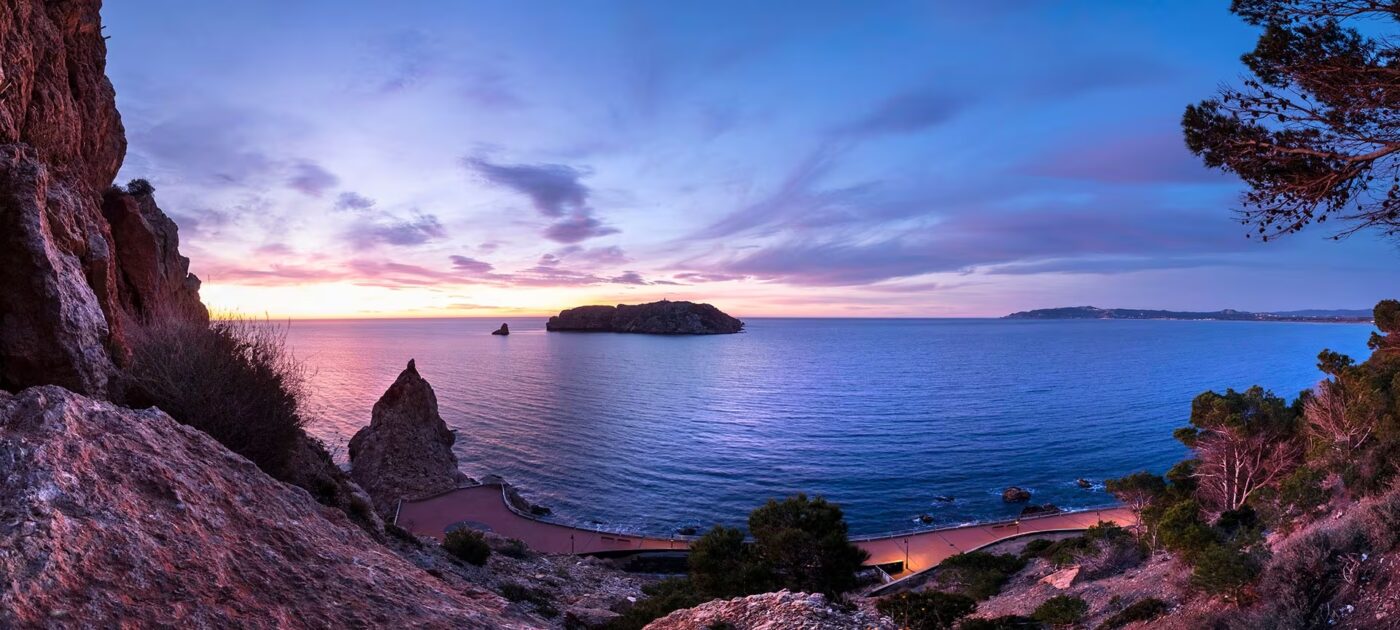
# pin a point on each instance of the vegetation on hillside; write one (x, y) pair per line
(799, 544)
(234, 379)
(1263, 465)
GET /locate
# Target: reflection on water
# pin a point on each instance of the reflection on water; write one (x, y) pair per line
(656, 433)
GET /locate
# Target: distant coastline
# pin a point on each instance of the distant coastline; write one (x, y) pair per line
(1091, 312)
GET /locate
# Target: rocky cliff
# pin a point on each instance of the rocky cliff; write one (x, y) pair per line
(784, 609)
(406, 451)
(113, 516)
(656, 318)
(64, 282)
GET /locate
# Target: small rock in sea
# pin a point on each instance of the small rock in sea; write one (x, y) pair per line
(503, 330)
(540, 510)
(925, 519)
(1083, 483)
(1015, 494)
(687, 531)
(1032, 510)
(943, 498)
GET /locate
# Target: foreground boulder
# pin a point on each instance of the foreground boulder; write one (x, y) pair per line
(406, 451)
(113, 517)
(656, 318)
(66, 274)
(783, 609)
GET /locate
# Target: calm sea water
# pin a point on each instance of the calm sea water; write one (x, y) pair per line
(651, 434)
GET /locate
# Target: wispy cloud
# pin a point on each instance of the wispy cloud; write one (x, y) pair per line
(417, 229)
(311, 179)
(555, 190)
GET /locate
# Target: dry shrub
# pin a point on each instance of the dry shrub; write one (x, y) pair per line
(234, 379)
(1313, 573)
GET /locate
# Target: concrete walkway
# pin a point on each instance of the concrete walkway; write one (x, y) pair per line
(484, 507)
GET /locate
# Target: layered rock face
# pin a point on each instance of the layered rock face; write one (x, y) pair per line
(64, 277)
(656, 318)
(113, 516)
(406, 451)
(783, 609)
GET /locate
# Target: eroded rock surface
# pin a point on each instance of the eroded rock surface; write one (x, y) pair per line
(66, 274)
(406, 451)
(656, 318)
(771, 611)
(119, 517)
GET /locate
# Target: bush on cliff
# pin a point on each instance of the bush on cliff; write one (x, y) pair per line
(233, 379)
(1061, 610)
(928, 610)
(978, 574)
(804, 544)
(467, 545)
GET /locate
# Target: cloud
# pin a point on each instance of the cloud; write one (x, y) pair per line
(695, 276)
(629, 277)
(209, 145)
(602, 256)
(556, 192)
(966, 242)
(310, 179)
(554, 189)
(418, 229)
(400, 61)
(351, 200)
(795, 197)
(908, 112)
(470, 265)
(577, 228)
(1159, 157)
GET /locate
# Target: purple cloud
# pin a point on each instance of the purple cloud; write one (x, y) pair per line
(387, 230)
(470, 265)
(351, 200)
(556, 192)
(1143, 158)
(310, 179)
(629, 277)
(909, 112)
(577, 228)
(962, 243)
(554, 189)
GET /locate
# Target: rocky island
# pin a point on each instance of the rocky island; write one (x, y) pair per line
(656, 318)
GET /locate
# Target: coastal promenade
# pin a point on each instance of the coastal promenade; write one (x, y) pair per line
(485, 507)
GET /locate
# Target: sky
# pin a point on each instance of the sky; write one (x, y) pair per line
(445, 159)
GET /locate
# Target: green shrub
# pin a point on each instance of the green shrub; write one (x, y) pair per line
(467, 545)
(723, 566)
(979, 574)
(1035, 548)
(513, 548)
(234, 380)
(804, 545)
(1221, 570)
(928, 610)
(1067, 550)
(1061, 610)
(1181, 530)
(138, 187)
(662, 598)
(1141, 610)
(1004, 622)
(538, 598)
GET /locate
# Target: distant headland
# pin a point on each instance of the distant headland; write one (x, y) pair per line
(1092, 312)
(655, 318)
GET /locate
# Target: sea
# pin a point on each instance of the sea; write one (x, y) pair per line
(899, 421)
